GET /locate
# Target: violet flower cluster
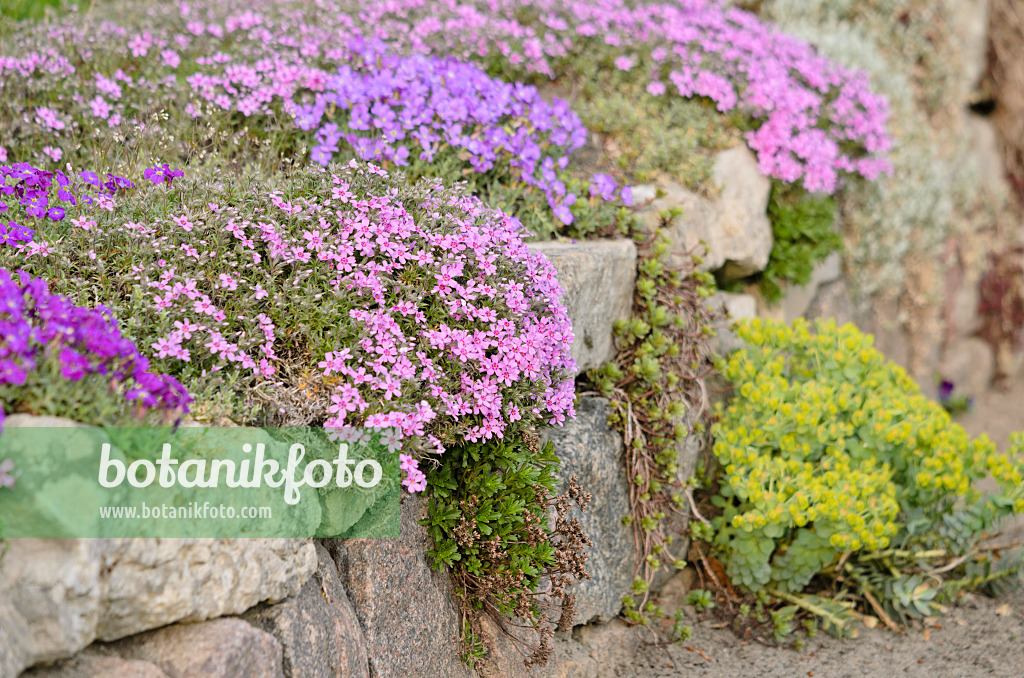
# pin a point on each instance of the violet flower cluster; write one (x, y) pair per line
(436, 318)
(423, 104)
(386, 107)
(31, 194)
(159, 174)
(36, 326)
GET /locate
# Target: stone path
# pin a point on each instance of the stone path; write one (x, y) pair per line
(979, 638)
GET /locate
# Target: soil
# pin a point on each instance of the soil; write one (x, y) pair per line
(998, 413)
(979, 637)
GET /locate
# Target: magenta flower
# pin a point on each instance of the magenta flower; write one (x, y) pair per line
(161, 173)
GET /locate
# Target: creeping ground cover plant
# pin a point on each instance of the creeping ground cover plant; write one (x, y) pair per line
(270, 102)
(812, 119)
(344, 297)
(232, 78)
(840, 484)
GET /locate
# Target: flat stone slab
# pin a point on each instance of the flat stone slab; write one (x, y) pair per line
(594, 452)
(318, 629)
(215, 649)
(407, 610)
(597, 279)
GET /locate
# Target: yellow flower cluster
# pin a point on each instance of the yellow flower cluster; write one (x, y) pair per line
(826, 447)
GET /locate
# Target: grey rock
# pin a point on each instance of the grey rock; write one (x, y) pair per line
(986, 154)
(407, 610)
(737, 306)
(964, 318)
(797, 299)
(969, 23)
(734, 226)
(151, 582)
(59, 595)
(970, 365)
(831, 301)
(318, 629)
(222, 648)
(643, 194)
(597, 279)
(592, 651)
(690, 449)
(688, 453)
(503, 659)
(49, 601)
(588, 448)
(88, 665)
(886, 324)
(672, 595)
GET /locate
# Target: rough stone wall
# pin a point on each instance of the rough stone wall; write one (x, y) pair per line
(917, 242)
(1006, 85)
(297, 608)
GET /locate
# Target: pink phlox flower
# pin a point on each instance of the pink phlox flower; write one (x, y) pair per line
(7, 475)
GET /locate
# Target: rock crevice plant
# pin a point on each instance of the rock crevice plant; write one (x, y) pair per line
(499, 523)
(657, 388)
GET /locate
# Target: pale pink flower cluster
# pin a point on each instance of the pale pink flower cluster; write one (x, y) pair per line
(447, 327)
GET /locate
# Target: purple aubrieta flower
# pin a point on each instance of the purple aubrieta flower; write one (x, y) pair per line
(161, 173)
(116, 182)
(603, 186)
(7, 233)
(35, 203)
(90, 178)
(564, 214)
(12, 233)
(73, 366)
(35, 325)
